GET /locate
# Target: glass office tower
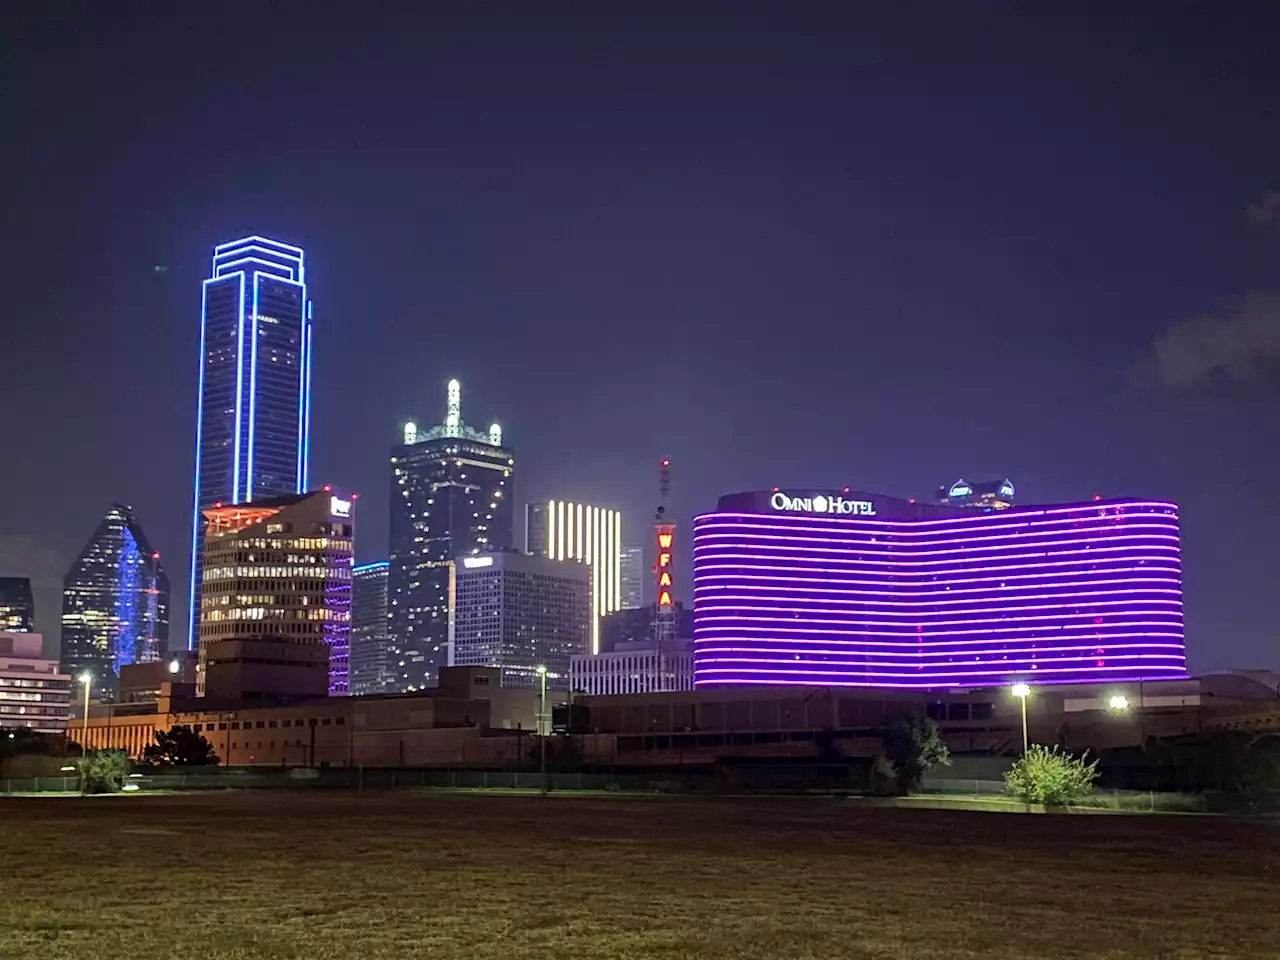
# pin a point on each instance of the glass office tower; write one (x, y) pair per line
(17, 608)
(254, 408)
(452, 493)
(115, 602)
(368, 661)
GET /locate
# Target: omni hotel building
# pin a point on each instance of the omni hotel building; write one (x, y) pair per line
(822, 588)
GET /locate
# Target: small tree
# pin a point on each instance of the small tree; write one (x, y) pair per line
(104, 771)
(180, 746)
(913, 748)
(1049, 776)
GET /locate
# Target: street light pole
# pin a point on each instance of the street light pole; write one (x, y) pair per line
(1022, 691)
(542, 734)
(87, 680)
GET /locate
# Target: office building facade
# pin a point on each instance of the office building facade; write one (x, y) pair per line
(632, 577)
(115, 602)
(275, 614)
(369, 628)
(17, 605)
(254, 403)
(516, 612)
(634, 668)
(565, 531)
(34, 693)
(452, 495)
(822, 587)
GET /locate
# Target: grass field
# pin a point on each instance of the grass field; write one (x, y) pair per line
(318, 875)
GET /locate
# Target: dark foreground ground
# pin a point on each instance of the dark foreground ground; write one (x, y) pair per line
(318, 876)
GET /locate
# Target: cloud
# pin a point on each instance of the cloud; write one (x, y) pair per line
(1240, 345)
(1266, 212)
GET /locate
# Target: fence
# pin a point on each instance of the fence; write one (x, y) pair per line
(340, 778)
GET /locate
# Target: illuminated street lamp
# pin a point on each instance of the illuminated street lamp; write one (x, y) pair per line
(1119, 703)
(87, 679)
(1022, 691)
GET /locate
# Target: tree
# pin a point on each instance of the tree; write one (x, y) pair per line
(103, 771)
(1049, 776)
(912, 748)
(180, 746)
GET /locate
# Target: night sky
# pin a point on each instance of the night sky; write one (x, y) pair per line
(882, 246)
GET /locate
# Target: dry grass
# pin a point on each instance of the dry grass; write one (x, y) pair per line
(317, 876)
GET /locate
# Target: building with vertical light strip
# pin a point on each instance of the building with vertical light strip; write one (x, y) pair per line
(254, 402)
(562, 530)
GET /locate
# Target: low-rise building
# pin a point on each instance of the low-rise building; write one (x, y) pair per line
(468, 719)
(634, 667)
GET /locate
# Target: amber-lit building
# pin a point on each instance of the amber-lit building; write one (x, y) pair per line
(275, 598)
(468, 719)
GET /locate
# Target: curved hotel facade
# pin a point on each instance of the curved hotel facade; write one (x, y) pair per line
(843, 588)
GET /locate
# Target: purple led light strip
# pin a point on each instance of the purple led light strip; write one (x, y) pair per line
(1037, 670)
(932, 642)
(978, 656)
(990, 586)
(716, 594)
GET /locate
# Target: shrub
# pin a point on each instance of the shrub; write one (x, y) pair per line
(1049, 776)
(912, 748)
(104, 771)
(180, 746)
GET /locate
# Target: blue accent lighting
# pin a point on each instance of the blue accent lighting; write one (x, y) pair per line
(253, 410)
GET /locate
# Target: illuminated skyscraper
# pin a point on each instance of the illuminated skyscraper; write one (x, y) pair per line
(115, 602)
(452, 491)
(369, 628)
(518, 612)
(591, 535)
(254, 407)
(633, 576)
(17, 608)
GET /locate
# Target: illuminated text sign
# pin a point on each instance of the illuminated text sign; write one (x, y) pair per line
(831, 505)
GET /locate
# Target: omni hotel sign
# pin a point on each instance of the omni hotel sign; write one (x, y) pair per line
(819, 503)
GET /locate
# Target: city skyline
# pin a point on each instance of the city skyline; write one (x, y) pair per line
(777, 262)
